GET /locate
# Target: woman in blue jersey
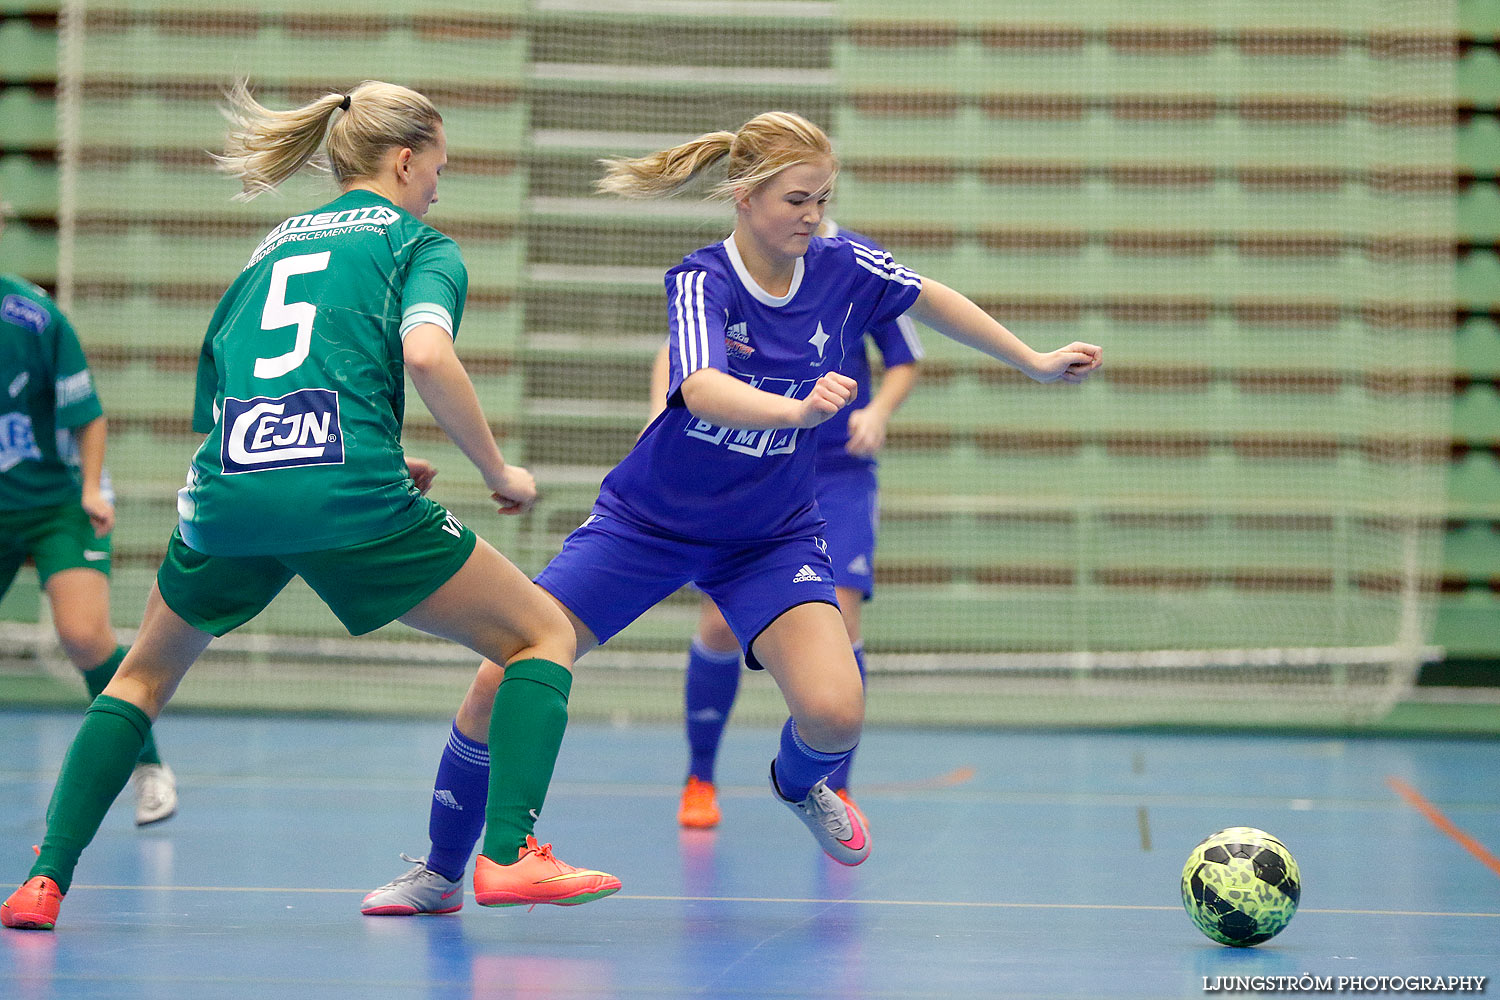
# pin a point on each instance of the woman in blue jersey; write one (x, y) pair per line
(301, 394)
(849, 502)
(719, 489)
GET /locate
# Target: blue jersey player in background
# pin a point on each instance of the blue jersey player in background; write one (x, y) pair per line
(719, 490)
(849, 501)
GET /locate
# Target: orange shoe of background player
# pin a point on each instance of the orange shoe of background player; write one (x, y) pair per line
(34, 906)
(699, 809)
(538, 877)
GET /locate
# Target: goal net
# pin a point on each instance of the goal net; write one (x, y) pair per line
(1248, 205)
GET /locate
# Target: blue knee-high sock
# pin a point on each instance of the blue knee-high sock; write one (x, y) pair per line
(798, 767)
(458, 800)
(840, 776)
(713, 680)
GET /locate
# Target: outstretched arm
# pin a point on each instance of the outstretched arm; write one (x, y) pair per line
(440, 379)
(956, 317)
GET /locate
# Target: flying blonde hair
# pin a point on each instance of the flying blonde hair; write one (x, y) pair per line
(763, 147)
(265, 147)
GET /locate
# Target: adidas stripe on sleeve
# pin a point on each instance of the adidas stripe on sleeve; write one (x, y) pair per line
(696, 316)
(878, 262)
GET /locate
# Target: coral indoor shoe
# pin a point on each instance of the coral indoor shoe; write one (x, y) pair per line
(537, 876)
(34, 906)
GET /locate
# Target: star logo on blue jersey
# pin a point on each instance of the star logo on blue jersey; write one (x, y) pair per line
(818, 339)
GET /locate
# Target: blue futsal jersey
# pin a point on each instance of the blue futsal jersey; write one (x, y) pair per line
(897, 343)
(691, 479)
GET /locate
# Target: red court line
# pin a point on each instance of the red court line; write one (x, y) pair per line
(957, 776)
(1436, 818)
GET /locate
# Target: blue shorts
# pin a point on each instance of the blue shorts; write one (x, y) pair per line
(849, 500)
(610, 572)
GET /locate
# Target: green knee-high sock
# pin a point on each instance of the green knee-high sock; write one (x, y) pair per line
(95, 769)
(98, 678)
(526, 731)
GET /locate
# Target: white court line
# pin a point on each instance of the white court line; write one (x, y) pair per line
(958, 793)
(967, 904)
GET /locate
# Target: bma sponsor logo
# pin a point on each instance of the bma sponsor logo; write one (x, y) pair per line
(23, 312)
(300, 428)
(17, 442)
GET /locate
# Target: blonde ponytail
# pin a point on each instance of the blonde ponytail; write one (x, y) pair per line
(266, 147)
(763, 147)
(664, 172)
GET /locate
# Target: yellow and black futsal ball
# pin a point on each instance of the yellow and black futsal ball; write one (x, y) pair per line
(1241, 886)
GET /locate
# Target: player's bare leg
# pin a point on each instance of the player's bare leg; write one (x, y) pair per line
(808, 654)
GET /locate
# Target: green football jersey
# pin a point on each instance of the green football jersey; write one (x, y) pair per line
(301, 385)
(48, 391)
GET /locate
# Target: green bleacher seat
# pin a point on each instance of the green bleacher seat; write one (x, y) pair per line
(1471, 550)
(1479, 77)
(1478, 348)
(1466, 623)
(147, 191)
(1478, 213)
(1479, 19)
(29, 184)
(1478, 144)
(201, 11)
(30, 51)
(1476, 415)
(1479, 279)
(29, 251)
(274, 54)
(150, 121)
(29, 117)
(1474, 485)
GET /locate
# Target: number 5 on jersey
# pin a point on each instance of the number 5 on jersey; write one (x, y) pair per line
(279, 313)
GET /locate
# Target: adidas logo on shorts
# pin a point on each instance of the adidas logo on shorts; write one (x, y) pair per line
(806, 575)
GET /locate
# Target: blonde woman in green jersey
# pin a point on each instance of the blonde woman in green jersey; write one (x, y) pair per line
(56, 507)
(301, 394)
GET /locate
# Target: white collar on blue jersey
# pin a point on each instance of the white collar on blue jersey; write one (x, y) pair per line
(760, 294)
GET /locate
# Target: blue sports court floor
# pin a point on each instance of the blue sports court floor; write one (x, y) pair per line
(1007, 864)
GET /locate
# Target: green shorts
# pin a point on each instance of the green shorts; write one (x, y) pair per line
(367, 585)
(55, 538)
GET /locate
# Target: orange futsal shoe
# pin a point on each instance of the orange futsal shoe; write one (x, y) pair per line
(700, 805)
(34, 906)
(538, 877)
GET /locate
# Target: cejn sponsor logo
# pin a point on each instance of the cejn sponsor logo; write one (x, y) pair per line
(300, 428)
